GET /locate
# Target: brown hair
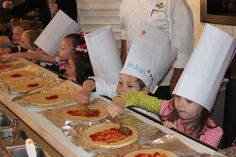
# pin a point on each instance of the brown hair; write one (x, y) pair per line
(141, 84)
(200, 124)
(83, 67)
(24, 24)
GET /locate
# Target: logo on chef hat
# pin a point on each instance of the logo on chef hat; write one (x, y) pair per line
(145, 73)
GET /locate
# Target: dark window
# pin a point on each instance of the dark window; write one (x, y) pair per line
(218, 11)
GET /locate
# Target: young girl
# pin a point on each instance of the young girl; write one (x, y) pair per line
(79, 67)
(195, 92)
(180, 113)
(60, 61)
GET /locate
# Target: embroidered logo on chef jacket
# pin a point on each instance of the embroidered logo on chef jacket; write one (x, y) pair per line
(160, 15)
(160, 5)
(158, 8)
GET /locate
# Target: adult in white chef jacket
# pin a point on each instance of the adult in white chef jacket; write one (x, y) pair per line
(173, 17)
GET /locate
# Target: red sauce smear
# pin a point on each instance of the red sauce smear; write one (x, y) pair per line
(33, 85)
(111, 135)
(156, 154)
(16, 75)
(83, 113)
(4, 66)
(52, 97)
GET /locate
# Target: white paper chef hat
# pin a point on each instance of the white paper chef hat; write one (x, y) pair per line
(204, 72)
(50, 38)
(104, 54)
(150, 55)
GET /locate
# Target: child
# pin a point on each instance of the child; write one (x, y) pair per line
(27, 39)
(141, 70)
(79, 67)
(68, 47)
(19, 26)
(195, 93)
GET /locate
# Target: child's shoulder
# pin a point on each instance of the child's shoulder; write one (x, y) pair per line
(211, 123)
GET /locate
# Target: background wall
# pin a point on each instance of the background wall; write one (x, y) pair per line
(97, 13)
(198, 26)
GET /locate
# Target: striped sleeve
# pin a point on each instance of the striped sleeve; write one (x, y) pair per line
(166, 109)
(212, 136)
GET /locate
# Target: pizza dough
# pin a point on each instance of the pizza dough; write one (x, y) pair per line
(162, 152)
(27, 86)
(16, 75)
(47, 98)
(101, 128)
(99, 112)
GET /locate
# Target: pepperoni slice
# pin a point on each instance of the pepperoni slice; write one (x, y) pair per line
(16, 75)
(4, 66)
(52, 97)
(33, 85)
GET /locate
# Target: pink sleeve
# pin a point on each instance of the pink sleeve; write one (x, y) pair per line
(212, 136)
(166, 109)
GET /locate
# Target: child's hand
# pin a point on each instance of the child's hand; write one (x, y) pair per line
(116, 107)
(169, 124)
(83, 97)
(114, 110)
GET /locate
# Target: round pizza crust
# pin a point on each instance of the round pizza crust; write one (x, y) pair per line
(24, 86)
(103, 113)
(24, 74)
(97, 128)
(151, 151)
(40, 99)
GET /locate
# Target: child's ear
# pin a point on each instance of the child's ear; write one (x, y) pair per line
(146, 90)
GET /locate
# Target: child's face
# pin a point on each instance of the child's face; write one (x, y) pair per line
(127, 83)
(16, 34)
(70, 70)
(66, 50)
(24, 41)
(187, 109)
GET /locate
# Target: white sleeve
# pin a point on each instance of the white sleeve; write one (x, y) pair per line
(103, 88)
(183, 35)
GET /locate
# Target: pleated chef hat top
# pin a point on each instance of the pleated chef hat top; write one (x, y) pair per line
(204, 72)
(150, 55)
(104, 55)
